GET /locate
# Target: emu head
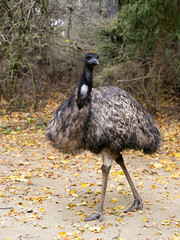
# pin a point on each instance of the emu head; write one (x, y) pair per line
(91, 59)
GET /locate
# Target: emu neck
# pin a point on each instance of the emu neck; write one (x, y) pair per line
(86, 77)
(85, 87)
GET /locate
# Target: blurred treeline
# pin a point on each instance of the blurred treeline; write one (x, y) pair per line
(42, 44)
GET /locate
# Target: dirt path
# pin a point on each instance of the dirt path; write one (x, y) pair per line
(48, 194)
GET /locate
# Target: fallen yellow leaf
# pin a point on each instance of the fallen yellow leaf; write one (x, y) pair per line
(83, 185)
(121, 172)
(177, 155)
(114, 200)
(51, 157)
(166, 222)
(41, 209)
(121, 207)
(62, 234)
(1, 194)
(119, 219)
(73, 191)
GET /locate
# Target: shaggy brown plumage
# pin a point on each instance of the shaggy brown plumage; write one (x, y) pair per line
(113, 119)
(104, 120)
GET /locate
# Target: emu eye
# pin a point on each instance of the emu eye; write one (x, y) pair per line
(88, 58)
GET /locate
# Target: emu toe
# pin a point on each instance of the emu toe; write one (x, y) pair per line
(136, 205)
(94, 216)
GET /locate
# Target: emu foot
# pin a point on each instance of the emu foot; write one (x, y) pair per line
(97, 215)
(136, 205)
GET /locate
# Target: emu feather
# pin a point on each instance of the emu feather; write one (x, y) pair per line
(104, 120)
(84, 90)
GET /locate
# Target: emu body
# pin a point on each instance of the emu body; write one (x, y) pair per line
(113, 120)
(104, 120)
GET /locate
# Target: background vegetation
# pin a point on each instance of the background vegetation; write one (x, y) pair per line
(42, 44)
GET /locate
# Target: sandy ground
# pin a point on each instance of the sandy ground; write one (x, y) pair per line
(45, 195)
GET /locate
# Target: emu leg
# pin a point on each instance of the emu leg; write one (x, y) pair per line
(137, 199)
(105, 170)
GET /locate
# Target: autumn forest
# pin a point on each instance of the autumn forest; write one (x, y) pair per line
(45, 194)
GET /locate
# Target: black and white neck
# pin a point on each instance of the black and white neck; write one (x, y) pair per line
(85, 85)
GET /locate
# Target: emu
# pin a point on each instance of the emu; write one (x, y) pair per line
(104, 120)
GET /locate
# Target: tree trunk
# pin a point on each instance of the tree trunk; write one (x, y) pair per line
(156, 72)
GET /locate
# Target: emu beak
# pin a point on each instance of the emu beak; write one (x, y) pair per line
(94, 61)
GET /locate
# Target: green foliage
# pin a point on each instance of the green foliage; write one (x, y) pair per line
(21, 104)
(8, 130)
(18, 128)
(109, 40)
(30, 120)
(146, 32)
(40, 125)
(136, 29)
(143, 21)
